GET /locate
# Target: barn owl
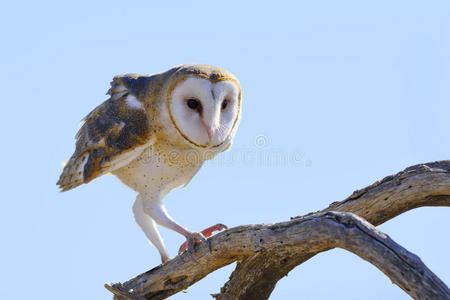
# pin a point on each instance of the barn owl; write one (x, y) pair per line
(154, 133)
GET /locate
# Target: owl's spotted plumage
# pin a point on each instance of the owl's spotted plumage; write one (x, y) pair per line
(109, 132)
(154, 133)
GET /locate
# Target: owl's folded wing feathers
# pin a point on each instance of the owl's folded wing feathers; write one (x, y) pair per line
(112, 135)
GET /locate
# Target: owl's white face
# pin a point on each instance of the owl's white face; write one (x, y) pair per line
(204, 111)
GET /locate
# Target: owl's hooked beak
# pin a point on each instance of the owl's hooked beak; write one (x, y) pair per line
(210, 132)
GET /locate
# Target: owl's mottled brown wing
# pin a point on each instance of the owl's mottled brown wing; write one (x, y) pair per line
(112, 135)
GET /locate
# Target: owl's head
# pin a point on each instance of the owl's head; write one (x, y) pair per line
(204, 103)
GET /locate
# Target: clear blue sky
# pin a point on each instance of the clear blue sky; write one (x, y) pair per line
(343, 93)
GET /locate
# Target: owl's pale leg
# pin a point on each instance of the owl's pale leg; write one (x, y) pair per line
(157, 210)
(148, 226)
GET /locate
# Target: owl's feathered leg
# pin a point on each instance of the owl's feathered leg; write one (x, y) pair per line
(157, 211)
(148, 225)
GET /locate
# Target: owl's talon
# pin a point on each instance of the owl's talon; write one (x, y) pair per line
(164, 259)
(191, 255)
(191, 240)
(206, 233)
(208, 243)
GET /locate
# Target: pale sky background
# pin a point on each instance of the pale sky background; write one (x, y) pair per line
(343, 93)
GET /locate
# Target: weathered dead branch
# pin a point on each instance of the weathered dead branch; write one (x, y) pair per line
(266, 253)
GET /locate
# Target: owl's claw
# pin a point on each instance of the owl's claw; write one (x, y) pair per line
(191, 239)
(205, 233)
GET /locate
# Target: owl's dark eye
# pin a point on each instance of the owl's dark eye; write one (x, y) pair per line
(224, 104)
(194, 104)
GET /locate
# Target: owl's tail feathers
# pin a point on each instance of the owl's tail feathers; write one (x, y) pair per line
(72, 174)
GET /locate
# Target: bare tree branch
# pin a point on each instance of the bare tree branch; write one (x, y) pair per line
(266, 253)
(324, 231)
(420, 185)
